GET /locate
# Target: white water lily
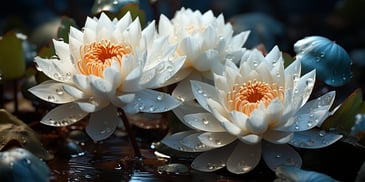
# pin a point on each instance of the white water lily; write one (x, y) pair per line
(109, 64)
(206, 41)
(254, 110)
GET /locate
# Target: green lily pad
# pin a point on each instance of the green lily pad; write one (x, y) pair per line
(12, 59)
(11, 128)
(344, 118)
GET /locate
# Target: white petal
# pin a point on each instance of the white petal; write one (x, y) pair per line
(250, 139)
(203, 121)
(55, 69)
(88, 106)
(292, 73)
(276, 155)
(102, 123)
(151, 101)
(187, 107)
(314, 138)
(278, 137)
(244, 158)
(53, 92)
(63, 115)
(183, 91)
(174, 141)
(212, 160)
(82, 82)
(205, 60)
(274, 112)
(202, 91)
(303, 89)
(165, 71)
(75, 92)
(113, 76)
(257, 122)
(192, 142)
(239, 119)
(312, 113)
(222, 116)
(216, 139)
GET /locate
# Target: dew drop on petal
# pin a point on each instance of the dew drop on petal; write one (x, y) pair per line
(59, 91)
(51, 98)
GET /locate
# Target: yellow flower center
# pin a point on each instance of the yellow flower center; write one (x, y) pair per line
(193, 28)
(247, 97)
(96, 56)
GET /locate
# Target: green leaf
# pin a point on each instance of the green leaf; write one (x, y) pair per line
(112, 6)
(11, 128)
(288, 59)
(64, 29)
(135, 12)
(12, 60)
(344, 118)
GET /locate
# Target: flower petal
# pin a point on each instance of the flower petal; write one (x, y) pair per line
(312, 113)
(192, 142)
(63, 115)
(221, 115)
(290, 173)
(278, 137)
(216, 139)
(151, 101)
(250, 139)
(314, 138)
(257, 123)
(244, 158)
(202, 91)
(174, 141)
(213, 160)
(55, 69)
(203, 121)
(53, 92)
(187, 107)
(276, 155)
(102, 123)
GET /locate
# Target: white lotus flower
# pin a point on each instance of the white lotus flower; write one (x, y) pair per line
(110, 64)
(206, 41)
(254, 110)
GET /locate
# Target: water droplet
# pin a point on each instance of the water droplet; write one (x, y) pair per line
(102, 131)
(200, 91)
(205, 121)
(310, 124)
(277, 156)
(244, 166)
(170, 68)
(51, 98)
(160, 97)
(297, 127)
(28, 161)
(59, 91)
(322, 133)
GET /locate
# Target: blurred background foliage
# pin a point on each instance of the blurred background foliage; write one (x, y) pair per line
(27, 28)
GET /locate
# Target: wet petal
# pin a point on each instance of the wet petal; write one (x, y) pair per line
(187, 107)
(276, 155)
(257, 123)
(278, 137)
(314, 138)
(213, 160)
(244, 158)
(250, 139)
(55, 69)
(151, 101)
(312, 113)
(53, 92)
(203, 121)
(64, 115)
(102, 123)
(174, 141)
(202, 91)
(192, 142)
(216, 139)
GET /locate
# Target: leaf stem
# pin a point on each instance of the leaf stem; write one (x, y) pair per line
(131, 136)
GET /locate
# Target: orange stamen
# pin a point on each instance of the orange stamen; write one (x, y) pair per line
(247, 97)
(96, 56)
